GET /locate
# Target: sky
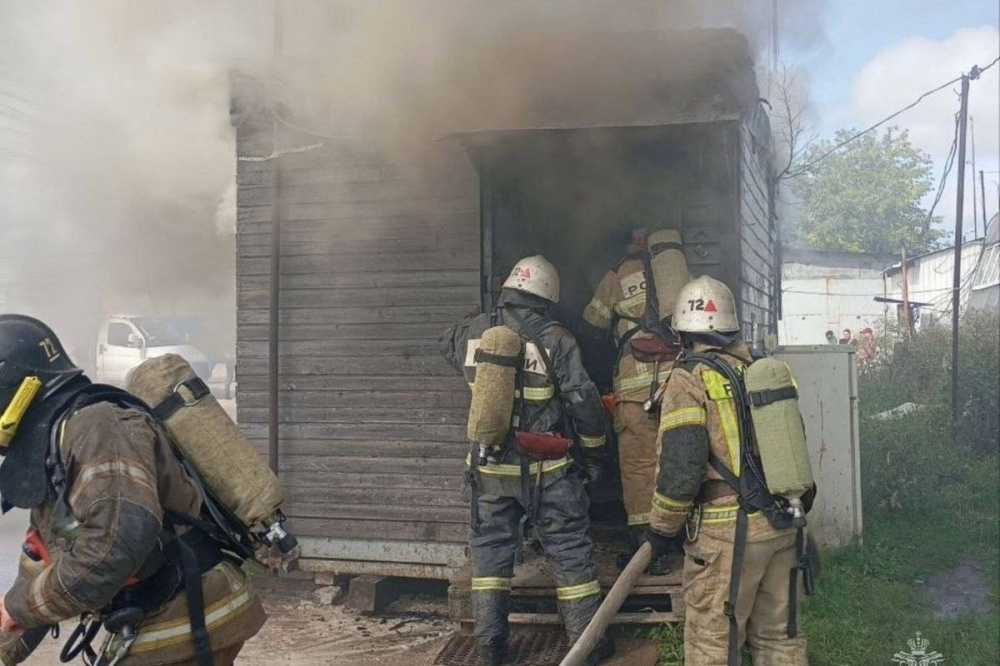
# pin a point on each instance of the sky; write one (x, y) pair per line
(880, 55)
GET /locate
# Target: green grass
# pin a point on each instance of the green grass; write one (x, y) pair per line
(872, 597)
(929, 505)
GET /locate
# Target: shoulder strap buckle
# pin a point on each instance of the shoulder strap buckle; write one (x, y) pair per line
(194, 391)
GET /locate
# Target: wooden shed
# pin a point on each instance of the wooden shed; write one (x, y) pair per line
(382, 248)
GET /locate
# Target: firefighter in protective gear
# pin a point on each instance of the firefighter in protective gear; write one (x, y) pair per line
(618, 308)
(698, 429)
(555, 395)
(106, 519)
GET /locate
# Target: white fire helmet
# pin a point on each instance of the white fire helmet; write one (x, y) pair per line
(705, 305)
(535, 275)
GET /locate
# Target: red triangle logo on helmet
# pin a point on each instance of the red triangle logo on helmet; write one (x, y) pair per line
(526, 273)
(710, 307)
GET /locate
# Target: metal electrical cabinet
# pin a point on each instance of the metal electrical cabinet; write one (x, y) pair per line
(828, 398)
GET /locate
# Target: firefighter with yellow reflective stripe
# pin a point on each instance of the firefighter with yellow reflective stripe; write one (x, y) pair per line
(518, 487)
(622, 308)
(700, 434)
(102, 540)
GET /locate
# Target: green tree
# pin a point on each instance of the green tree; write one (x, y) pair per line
(866, 196)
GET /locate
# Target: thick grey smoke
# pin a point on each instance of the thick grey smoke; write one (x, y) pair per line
(117, 195)
(117, 156)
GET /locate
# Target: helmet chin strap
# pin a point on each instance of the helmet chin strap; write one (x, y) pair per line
(18, 406)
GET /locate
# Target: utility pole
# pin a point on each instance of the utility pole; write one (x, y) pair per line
(956, 296)
(975, 204)
(982, 194)
(775, 39)
(906, 297)
(274, 292)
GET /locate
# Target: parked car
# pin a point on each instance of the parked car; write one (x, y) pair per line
(126, 341)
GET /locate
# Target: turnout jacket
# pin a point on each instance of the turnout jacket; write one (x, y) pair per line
(620, 296)
(544, 408)
(698, 419)
(122, 476)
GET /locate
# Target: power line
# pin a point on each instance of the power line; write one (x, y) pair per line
(292, 125)
(948, 164)
(975, 73)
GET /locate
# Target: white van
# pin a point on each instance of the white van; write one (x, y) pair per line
(126, 341)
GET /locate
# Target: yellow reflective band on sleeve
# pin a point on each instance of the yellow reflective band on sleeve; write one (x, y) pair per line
(515, 470)
(537, 394)
(638, 519)
(574, 592)
(683, 417)
(720, 392)
(491, 584)
(667, 504)
(593, 442)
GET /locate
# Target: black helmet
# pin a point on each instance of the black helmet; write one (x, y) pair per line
(29, 348)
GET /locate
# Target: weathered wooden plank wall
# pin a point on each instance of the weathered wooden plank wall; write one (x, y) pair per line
(379, 252)
(757, 227)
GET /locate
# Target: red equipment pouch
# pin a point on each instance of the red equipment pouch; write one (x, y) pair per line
(543, 445)
(34, 547)
(610, 402)
(655, 350)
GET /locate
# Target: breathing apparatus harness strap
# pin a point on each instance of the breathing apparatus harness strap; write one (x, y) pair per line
(532, 331)
(650, 321)
(752, 496)
(185, 559)
(196, 386)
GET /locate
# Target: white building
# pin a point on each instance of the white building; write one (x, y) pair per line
(986, 282)
(831, 291)
(930, 279)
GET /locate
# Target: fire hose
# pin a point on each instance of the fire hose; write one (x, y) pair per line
(609, 608)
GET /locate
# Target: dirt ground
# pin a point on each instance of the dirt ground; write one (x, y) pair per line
(307, 634)
(963, 589)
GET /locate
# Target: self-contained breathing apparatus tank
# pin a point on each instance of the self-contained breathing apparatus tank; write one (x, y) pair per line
(779, 431)
(497, 360)
(669, 268)
(208, 438)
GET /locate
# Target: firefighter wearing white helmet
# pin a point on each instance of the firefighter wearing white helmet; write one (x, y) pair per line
(535, 275)
(535, 474)
(706, 306)
(702, 466)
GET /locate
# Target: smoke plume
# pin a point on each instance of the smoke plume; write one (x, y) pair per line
(117, 154)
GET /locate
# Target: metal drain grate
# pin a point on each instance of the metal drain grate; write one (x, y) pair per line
(528, 647)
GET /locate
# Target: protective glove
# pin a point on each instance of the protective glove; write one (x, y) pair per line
(661, 544)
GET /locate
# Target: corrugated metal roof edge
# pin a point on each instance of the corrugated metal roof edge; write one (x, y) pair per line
(898, 266)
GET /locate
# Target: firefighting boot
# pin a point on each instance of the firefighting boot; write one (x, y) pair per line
(576, 615)
(490, 610)
(604, 650)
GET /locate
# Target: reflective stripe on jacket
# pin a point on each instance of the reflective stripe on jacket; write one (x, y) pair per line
(621, 296)
(122, 476)
(698, 419)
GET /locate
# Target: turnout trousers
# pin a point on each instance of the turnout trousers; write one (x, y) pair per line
(561, 524)
(762, 606)
(637, 459)
(13, 652)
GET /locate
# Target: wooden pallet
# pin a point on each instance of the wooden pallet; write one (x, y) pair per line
(653, 600)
